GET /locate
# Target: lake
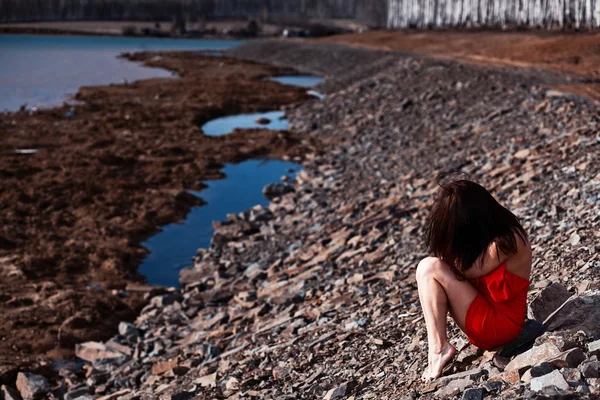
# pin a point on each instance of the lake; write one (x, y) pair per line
(42, 71)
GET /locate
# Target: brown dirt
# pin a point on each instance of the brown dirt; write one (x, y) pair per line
(574, 54)
(104, 180)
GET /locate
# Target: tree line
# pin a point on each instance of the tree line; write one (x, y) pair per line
(548, 14)
(373, 12)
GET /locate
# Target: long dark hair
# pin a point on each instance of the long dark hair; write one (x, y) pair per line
(464, 221)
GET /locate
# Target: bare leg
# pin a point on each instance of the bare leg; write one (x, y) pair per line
(440, 292)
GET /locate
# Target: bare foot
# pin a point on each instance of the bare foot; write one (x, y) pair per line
(437, 362)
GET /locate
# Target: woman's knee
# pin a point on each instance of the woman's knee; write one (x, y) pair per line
(428, 267)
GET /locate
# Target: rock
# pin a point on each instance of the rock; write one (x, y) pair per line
(473, 394)
(207, 380)
(492, 387)
(571, 375)
(128, 330)
(233, 384)
(164, 366)
(580, 314)
(337, 392)
(472, 374)
(263, 121)
(554, 378)
(453, 388)
(547, 301)
(78, 394)
(590, 369)
(91, 351)
(274, 190)
(594, 348)
(510, 377)
(8, 393)
(32, 386)
(570, 358)
(533, 356)
(541, 369)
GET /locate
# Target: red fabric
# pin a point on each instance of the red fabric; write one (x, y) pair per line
(497, 314)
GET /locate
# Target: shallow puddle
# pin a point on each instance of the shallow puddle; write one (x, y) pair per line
(172, 249)
(300, 81)
(225, 125)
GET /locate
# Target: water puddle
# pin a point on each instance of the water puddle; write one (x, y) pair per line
(27, 151)
(225, 125)
(172, 249)
(300, 81)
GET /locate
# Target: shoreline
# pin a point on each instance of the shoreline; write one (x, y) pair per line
(319, 297)
(108, 176)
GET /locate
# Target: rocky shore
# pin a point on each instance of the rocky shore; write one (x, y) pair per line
(83, 185)
(314, 296)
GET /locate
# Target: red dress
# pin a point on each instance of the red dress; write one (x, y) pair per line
(497, 314)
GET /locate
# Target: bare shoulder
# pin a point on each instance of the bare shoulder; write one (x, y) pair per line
(520, 262)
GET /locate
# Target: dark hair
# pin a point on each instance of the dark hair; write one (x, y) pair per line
(464, 221)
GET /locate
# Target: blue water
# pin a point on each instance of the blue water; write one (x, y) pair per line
(225, 125)
(43, 71)
(302, 81)
(172, 249)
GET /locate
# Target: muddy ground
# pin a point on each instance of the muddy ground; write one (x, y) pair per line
(109, 173)
(575, 56)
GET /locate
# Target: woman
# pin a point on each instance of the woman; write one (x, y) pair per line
(479, 273)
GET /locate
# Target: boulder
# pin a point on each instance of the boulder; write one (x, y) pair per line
(547, 301)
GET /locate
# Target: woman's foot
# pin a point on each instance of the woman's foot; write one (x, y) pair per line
(437, 362)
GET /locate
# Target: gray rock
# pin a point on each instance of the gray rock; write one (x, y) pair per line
(273, 190)
(128, 330)
(453, 388)
(554, 378)
(531, 330)
(594, 347)
(570, 358)
(8, 393)
(77, 394)
(32, 386)
(580, 314)
(590, 369)
(492, 387)
(547, 301)
(473, 394)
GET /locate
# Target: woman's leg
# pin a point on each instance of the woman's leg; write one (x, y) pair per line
(440, 292)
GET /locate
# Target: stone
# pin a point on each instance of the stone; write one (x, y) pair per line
(472, 374)
(570, 358)
(32, 386)
(274, 190)
(8, 393)
(91, 351)
(510, 377)
(579, 314)
(207, 380)
(337, 392)
(594, 348)
(571, 374)
(554, 378)
(263, 121)
(533, 356)
(590, 369)
(77, 394)
(526, 377)
(453, 388)
(492, 387)
(547, 301)
(473, 394)
(541, 369)
(233, 384)
(128, 330)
